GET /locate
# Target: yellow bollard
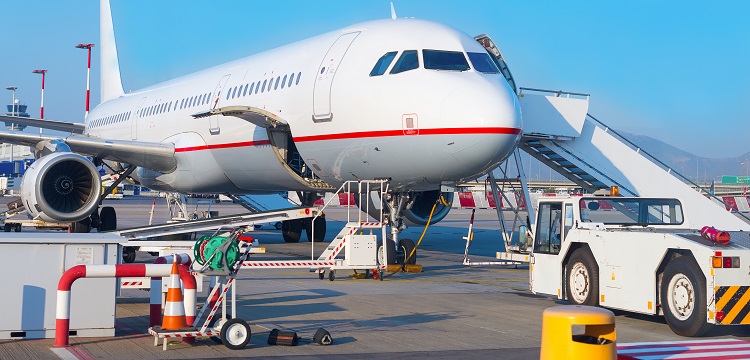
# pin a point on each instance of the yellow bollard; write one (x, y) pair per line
(597, 341)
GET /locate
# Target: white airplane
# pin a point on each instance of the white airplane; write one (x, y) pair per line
(413, 101)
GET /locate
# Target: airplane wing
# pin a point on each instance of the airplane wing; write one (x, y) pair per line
(155, 156)
(75, 128)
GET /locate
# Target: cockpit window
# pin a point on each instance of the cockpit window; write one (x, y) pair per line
(383, 63)
(483, 63)
(445, 60)
(407, 61)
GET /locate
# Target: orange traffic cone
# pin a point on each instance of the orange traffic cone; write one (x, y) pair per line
(174, 309)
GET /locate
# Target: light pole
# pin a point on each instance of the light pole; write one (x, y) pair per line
(88, 74)
(12, 113)
(41, 107)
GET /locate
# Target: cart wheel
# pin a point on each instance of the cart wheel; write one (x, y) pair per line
(321, 274)
(332, 275)
(17, 228)
(235, 334)
(215, 325)
(322, 337)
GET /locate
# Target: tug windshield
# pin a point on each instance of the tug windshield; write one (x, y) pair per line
(630, 211)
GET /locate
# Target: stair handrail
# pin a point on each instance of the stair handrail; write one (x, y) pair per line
(669, 169)
(556, 92)
(384, 185)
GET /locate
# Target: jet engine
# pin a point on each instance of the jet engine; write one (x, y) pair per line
(61, 186)
(417, 210)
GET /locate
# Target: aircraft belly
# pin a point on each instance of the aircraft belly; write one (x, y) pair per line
(256, 168)
(431, 160)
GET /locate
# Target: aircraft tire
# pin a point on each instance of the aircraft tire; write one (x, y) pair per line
(320, 229)
(391, 246)
(291, 230)
(107, 219)
(128, 254)
(407, 245)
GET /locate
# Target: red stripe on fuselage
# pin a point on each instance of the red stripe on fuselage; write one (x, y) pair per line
(364, 134)
(388, 133)
(223, 146)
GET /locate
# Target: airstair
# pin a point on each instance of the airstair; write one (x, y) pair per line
(559, 132)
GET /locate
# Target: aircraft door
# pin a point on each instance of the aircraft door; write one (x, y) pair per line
(213, 120)
(325, 75)
(546, 269)
(134, 122)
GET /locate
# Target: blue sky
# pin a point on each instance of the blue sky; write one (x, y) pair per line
(673, 70)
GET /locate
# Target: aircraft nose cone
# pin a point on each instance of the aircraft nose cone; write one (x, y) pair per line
(490, 116)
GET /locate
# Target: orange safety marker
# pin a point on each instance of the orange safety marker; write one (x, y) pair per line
(174, 308)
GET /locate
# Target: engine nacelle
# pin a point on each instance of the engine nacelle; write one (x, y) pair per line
(417, 212)
(62, 187)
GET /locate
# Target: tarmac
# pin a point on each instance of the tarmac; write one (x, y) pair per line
(448, 311)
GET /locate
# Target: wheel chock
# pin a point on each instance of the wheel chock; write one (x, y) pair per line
(322, 337)
(416, 268)
(287, 338)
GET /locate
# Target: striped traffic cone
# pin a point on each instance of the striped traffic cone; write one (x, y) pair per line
(174, 309)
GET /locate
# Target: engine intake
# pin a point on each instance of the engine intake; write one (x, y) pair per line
(63, 186)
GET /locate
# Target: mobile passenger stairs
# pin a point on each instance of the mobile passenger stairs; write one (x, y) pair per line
(559, 132)
(356, 247)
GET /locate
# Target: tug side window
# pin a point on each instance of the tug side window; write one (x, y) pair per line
(549, 227)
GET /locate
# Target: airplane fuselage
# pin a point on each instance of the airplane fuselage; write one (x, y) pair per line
(419, 127)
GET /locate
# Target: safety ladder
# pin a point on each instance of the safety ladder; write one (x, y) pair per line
(517, 243)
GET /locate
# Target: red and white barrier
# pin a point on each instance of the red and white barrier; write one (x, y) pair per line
(62, 322)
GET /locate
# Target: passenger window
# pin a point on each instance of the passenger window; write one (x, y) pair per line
(244, 92)
(276, 85)
(445, 60)
(299, 75)
(283, 82)
(252, 85)
(291, 79)
(228, 93)
(257, 87)
(383, 63)
(483, 63)
(264, 86)
(407, 61)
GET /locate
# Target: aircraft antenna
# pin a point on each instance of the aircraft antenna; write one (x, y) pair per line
(393, 12)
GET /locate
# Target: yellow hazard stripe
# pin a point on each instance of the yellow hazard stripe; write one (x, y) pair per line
(738, 307)
(722, 302)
